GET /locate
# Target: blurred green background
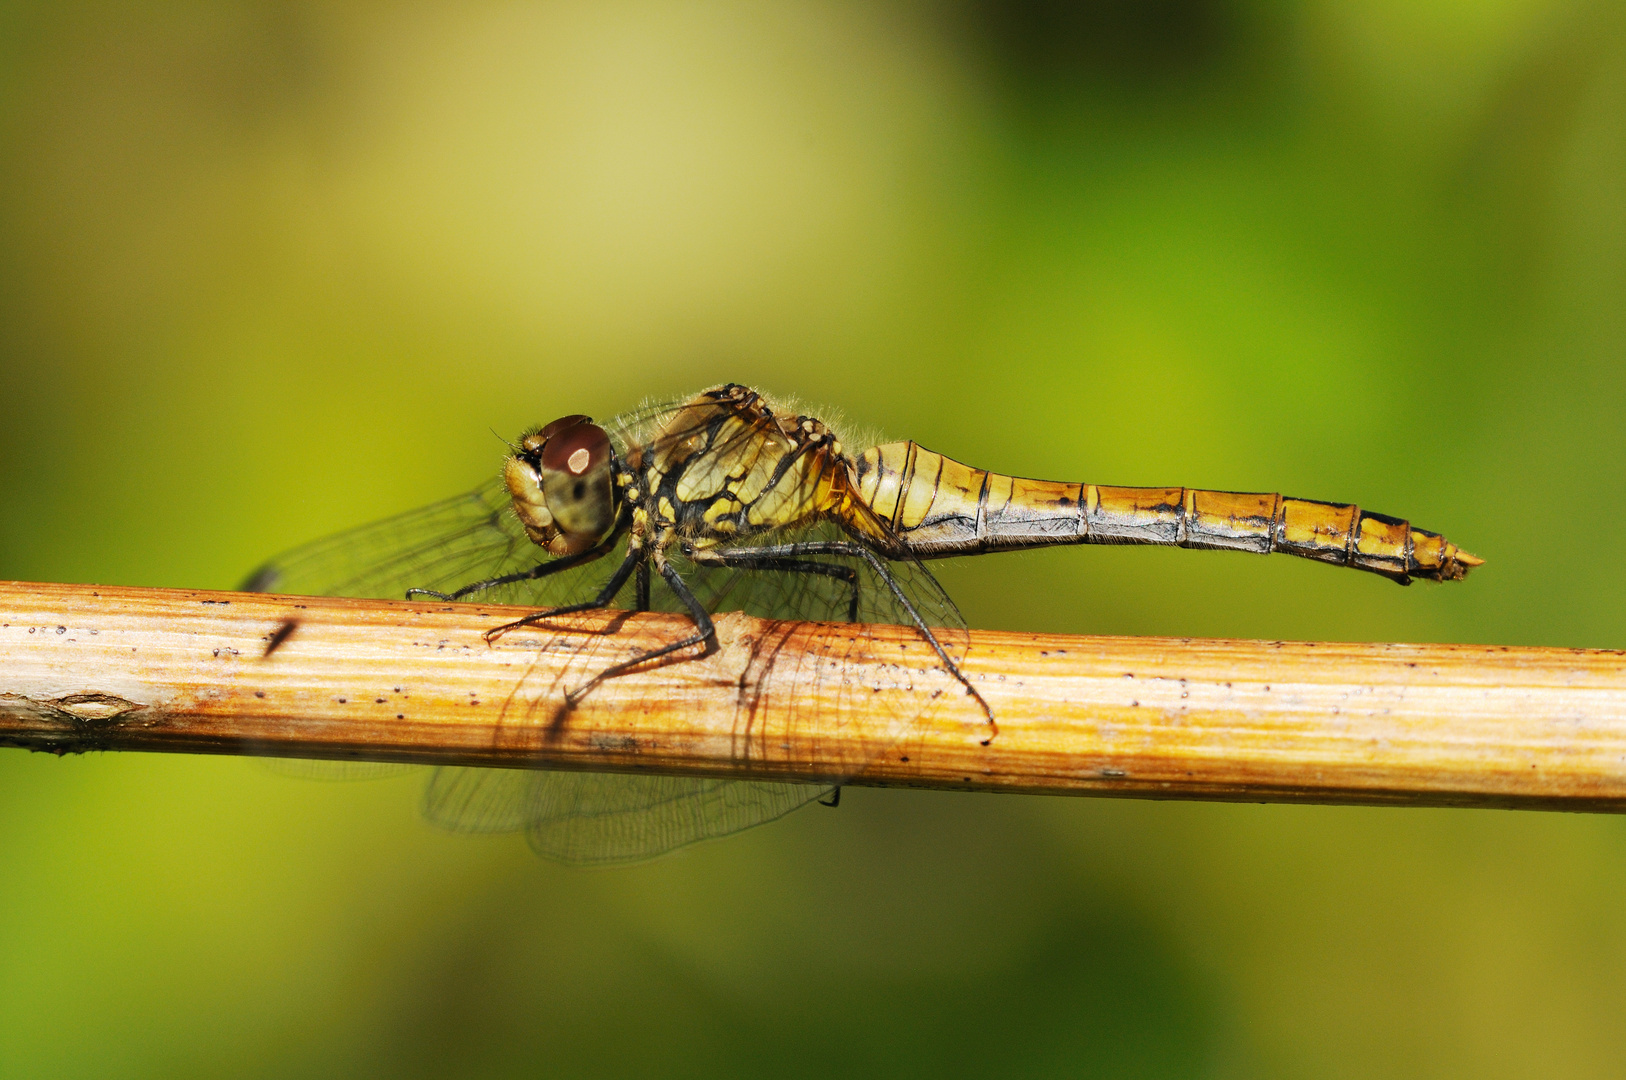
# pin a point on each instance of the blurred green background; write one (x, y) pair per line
(270, 269)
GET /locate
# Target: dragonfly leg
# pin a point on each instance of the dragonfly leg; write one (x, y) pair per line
(833, 799)
(885, 574)
(860, 551)
(643, 585)
(605, 597)
(705, 634)
(540, 570)
(755, 560)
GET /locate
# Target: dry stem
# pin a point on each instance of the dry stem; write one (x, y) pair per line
(99, 668)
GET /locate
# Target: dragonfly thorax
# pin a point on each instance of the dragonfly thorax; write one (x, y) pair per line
(728, 467)
(561, 483)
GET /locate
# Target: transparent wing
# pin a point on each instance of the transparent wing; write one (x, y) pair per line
(619, 817)
(604, 818)
(443, 546)
(307, 769)
(458, 541)
(587, 818)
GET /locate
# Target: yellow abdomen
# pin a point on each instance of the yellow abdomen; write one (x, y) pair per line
(938, 507)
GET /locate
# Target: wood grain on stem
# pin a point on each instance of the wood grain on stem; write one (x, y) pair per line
(102, 668)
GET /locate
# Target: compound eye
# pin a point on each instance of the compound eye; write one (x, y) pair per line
(575, 446)
(559, 425)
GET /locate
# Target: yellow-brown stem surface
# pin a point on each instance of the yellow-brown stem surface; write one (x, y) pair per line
(100, 668)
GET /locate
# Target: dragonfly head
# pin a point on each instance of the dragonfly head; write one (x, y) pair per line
(562, 487)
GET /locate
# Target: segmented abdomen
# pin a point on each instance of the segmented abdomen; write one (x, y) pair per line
(939, 507)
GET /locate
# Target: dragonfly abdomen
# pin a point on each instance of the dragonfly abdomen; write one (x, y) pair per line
(939, 507)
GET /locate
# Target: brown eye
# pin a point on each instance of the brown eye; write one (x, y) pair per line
(574, 471)
(574, 448)
(559, 425)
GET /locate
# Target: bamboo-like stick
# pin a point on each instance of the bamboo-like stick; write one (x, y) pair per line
(100, 668)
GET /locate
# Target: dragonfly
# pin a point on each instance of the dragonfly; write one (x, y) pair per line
(730, 500)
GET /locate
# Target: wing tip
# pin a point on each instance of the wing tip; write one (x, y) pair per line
(263, 579)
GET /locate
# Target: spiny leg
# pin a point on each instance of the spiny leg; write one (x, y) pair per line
(642, 586)
(860, 551)
(754, 559)
(705, 633)
(604, 599)
(540, 570)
